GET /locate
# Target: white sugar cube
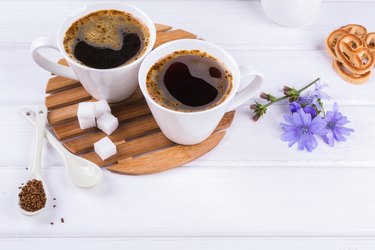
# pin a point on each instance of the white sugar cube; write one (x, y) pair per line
(86, 110)
(107, 123)
(86, 123)
(86, 115)
(101, 107)
(105, 148)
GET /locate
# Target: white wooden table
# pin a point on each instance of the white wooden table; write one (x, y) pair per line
(251, 192)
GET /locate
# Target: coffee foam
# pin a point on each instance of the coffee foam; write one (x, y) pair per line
(104, 29)
(198, 63)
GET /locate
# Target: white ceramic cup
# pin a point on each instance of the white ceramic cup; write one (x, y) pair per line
(291, 12)
(113, 84)
(194, 127)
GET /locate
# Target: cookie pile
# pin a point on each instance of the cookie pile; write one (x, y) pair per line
(353, 51)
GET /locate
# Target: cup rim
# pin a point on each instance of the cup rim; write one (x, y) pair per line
(145, 19)
(142, 77)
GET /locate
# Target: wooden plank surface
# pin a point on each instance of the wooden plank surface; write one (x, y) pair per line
(67, 97)
(59, 83)
(165, 159)
(165, 37)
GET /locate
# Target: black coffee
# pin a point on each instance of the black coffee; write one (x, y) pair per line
(188, 81)
(106, 39)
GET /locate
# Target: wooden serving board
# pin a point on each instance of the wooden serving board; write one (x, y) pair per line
(141, 146)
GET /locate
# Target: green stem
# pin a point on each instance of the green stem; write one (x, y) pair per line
(308, 85)
(276, 100)
(287, 96)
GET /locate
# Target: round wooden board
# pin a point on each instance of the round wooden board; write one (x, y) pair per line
(141, 146)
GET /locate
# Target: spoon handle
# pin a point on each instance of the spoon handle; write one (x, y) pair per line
(30, 116)
(86, 174)
(40, 124)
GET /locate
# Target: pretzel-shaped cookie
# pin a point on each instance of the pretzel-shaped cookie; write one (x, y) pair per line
(351, 51)
(350, 77)
(332, 39)
(355, 29)
(370, 42)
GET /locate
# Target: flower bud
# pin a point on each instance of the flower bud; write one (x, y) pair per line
(256, 117)
(264, 96)
(286, 88)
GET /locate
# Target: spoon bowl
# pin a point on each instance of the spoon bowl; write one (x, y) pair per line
(28, 213)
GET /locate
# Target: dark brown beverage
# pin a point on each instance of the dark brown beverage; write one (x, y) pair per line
(106, 39)
(189, 81)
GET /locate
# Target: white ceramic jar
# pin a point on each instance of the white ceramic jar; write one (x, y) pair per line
(291, 12)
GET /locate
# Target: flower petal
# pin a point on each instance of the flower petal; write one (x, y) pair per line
(344, 130)
(328, 140)
(318, 126)
(289, 136)
(302, 142)
(310, 110)
(329, 116)
(289, 118)
(288, 127)
(325, 138)
(305, 118)
(297, 118)
(294, 106)
(342, 120)
(311, 143)
(318, 92)
(338, 136)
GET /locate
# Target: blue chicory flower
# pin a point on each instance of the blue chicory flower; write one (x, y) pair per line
(305, 100)
(310, 110)
(312, 97)
(295, 106)
(318, 92)
(335, 126)
(301, 129)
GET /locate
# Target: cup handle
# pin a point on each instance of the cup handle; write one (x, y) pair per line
(244, 94)
(42, 61)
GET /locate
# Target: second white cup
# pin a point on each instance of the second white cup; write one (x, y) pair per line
(194, 127)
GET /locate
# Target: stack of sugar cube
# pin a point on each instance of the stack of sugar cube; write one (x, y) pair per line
(98, 114)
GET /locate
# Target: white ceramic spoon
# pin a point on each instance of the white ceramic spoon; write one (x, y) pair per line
(40, 124)
(82, 172)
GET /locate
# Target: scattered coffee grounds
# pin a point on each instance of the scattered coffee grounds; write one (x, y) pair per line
(54, 199)
(51, 223)
(54, 205)
(32, 196)
(62, 220)
(27, 168)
